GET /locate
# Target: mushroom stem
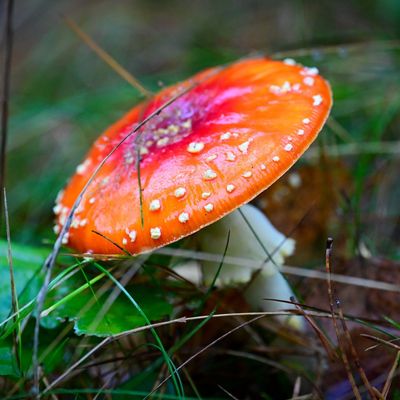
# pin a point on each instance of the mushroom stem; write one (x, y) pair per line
(252, 236)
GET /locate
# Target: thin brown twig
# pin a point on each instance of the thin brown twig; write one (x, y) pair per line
(103, 55)
(377, 393)
(389, 380)
(325, 342)
(353, 352)
(380, 340)
(343, 354)
(112, 242)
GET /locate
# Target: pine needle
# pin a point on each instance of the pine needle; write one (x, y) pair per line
(343, 354)
(389, 380)
(110, 61)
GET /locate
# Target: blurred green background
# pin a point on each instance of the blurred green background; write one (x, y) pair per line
(63, 95)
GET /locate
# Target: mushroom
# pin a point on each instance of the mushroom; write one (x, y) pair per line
(207, 153)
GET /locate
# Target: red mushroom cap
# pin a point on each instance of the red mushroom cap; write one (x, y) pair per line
(211, 150)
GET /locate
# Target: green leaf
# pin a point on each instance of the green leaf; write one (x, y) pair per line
(27, 263)
(93, 312)
(102, 315)
(7, 360)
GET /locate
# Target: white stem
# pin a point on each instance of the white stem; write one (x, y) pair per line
(251, 235)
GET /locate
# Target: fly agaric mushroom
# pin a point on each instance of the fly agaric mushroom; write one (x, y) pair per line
(210, 151)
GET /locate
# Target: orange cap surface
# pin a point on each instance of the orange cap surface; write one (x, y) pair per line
(210, 151)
